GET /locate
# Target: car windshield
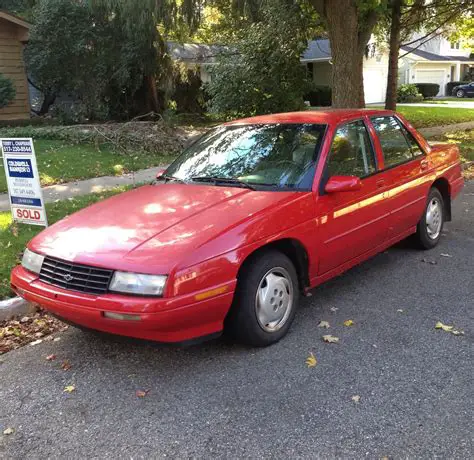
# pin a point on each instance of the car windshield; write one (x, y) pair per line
(278, 156)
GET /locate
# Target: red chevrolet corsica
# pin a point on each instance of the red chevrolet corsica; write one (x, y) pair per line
(252, 214)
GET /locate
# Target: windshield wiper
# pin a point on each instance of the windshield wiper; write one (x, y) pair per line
(223, 180)
(167, 177)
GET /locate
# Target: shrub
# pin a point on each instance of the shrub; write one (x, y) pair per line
(450, 86)
(427, 89)
(7, 91)
(408, 93)
(319, 96)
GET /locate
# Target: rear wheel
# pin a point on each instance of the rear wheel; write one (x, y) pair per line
(460, 93)
(431, 223)
(265, 301)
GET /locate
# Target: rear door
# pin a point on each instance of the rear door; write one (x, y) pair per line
(405, 170)
(351, 223)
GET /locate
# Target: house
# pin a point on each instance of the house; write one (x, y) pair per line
(197, 56)
(435, 61)
(318, 60)
(13, 36)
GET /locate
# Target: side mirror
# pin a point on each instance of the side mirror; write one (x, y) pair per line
(160, 172)
(343, 184)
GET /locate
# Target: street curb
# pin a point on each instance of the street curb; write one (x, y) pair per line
(16, 306)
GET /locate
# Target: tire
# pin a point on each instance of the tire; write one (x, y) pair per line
(460, 93)
(258, 316)
(430, 226)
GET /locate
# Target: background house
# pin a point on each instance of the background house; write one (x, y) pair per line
(318, 57)
(436, 61)
(196, 56)
(13, 36)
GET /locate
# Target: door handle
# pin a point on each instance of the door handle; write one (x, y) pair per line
(424, 164)
(380, 183)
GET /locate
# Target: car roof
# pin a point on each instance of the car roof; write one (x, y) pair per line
(325, 116)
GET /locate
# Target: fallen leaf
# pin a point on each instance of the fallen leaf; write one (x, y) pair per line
(324, 324)
(446, 255)
(356, 398)
(66, 365)
(50, 357)
(56, 339)
(456, 332)
(348, 322)
(69, 389)
(36, 342)
(142, 393)
(330, 339)
(445, 327)
(334, 309)
(311, 360)
(400, 310)
(8, 431)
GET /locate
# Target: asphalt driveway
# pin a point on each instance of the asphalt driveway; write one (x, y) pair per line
(220, 400)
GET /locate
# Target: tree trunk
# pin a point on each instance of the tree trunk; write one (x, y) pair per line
(347, 60)
(153, 93)
(394, 43)
(48, 101)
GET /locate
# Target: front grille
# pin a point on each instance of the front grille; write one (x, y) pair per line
(75, 277)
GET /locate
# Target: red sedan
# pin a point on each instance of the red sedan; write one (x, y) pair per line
(250, 216)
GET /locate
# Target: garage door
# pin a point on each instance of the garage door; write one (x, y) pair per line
(431, 76)
(374, 85)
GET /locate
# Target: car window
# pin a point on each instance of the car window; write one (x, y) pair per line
(395, 147)
(414, 146)
(351, 152)
(276, 155)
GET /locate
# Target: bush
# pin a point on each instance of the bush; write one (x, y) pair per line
(7, 91)
(427, 89)
(319, 96)
(408, 93)
(450, 86)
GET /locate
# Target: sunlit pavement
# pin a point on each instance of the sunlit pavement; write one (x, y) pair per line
(220, 400)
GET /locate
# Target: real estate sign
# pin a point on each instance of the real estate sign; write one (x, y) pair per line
(24, 189)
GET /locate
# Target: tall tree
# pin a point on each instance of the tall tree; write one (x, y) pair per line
(350, 24)
(428, 18)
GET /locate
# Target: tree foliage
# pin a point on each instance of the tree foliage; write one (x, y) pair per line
(7, 91)
(262, 72)
(89, 52)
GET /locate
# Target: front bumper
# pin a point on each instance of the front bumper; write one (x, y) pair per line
(177, 319)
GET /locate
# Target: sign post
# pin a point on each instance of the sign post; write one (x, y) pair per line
(24, 188)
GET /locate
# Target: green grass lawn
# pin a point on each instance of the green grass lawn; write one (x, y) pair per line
(447, 100)
(423, 117)
(13, 238)
(60, 161)
(465, 141)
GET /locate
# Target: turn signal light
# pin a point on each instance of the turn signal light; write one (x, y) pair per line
(121, 316)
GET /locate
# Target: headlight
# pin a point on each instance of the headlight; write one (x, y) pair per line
(134, 283)
(32, 261)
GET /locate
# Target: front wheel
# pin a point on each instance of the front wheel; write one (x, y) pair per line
(429, 228)
(265, 300)
(460, 93)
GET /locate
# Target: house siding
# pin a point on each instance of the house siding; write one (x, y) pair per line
(12, 66)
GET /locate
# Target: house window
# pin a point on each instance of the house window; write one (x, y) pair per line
(454, 45)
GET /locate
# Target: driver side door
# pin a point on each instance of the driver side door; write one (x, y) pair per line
(351, 223)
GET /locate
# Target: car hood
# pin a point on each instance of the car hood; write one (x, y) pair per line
(152, 228)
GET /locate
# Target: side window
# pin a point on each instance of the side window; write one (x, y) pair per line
(395, 147)
(415, 148)
(351, 152)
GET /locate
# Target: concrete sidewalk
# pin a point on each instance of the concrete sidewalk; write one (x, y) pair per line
(99, 184)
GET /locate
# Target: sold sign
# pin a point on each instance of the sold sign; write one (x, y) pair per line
(24, 188)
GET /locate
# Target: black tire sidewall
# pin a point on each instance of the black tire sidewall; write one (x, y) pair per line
(242, 322)
(424, 239)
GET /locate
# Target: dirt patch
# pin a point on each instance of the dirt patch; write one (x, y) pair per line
(31, 329)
